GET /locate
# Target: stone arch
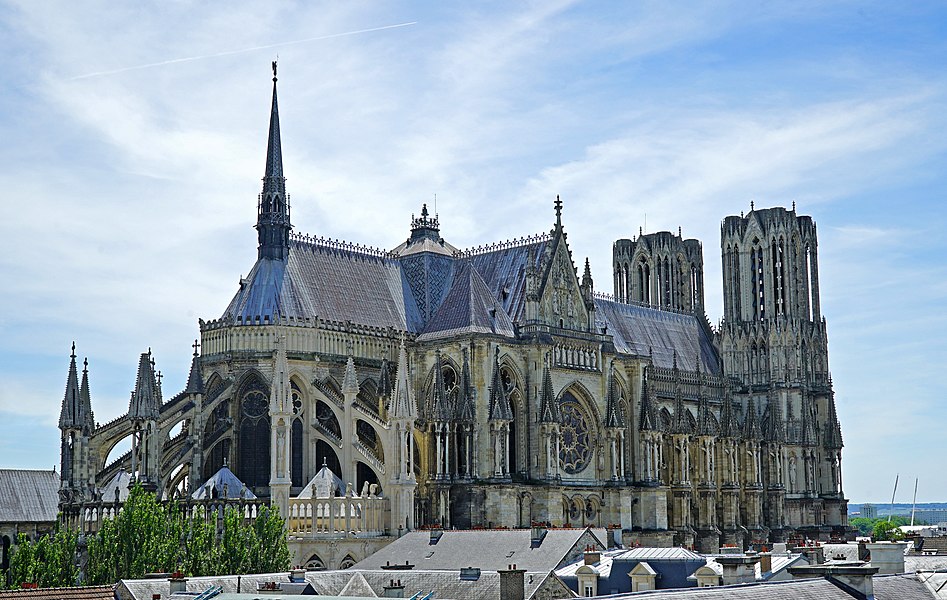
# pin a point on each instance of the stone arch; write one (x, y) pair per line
(666, 420)
(514, 390)
(366, 474)
(368, 435)
(580, 427)
(253, 430)
(5, 544)
(315, 563)
(347, 563)
(300, 406)
(593, 511)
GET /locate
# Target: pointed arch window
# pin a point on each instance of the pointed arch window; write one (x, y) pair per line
(576, 449)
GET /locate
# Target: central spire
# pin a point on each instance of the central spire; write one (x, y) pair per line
(273, 224)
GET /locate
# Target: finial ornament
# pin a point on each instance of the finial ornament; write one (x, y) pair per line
(274, 70)
(793, 206)
(558, 205)
(73, 354)
(195, 345)
(752, 206)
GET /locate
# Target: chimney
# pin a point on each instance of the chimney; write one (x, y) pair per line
(592, 555)
(887, 556)
(766, 562)
(536, 535)
(738, 568)
(177, 583)
(854, 580)
(512, 583)
(394, 589)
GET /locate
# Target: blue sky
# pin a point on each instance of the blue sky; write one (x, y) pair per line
(129, 193)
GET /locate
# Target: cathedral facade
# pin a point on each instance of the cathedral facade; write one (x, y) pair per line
(496, 387)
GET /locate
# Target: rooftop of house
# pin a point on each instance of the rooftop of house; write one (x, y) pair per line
(29, 496)
(486, 549)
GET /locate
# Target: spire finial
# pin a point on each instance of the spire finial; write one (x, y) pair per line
(73, 353)
(793, 206)
(274, 71)
(752, 206)
(558, 205)
(85, 365)
(195, 345)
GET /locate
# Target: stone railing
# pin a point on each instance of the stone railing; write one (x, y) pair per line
(340, 517)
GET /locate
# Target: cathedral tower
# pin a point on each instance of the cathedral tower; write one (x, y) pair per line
(774, 346)
(273, 225)
(661, 270)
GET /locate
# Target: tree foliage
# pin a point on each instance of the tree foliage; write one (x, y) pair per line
(147, 537)
(866, 526)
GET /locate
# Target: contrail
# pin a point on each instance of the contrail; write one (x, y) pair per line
(242, 51)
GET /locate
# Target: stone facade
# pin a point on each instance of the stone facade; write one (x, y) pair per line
(494, 387)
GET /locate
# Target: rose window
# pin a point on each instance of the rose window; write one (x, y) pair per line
(255, 404)
(576, 448)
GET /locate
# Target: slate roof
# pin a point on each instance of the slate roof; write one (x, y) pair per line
(347, 583)
(92, 592)
(439, 295)
(504, 272)
(640, 330)
(223, 479)
(486, 549)
(332, 283)
(674, 565)
(120, 481)
(28, 496)
(468, 307)
(886, 587)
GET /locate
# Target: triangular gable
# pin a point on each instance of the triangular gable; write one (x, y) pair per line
(561, 302)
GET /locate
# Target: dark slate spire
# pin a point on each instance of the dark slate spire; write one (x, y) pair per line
(775, 426)
(808, 421)
(273, 224)
(833, 431)
(705, 419)
(195, 384)
(440, 408)
(549, 408)
(751, 425)
(402, 401)
(466, 411)
(384, 379)
(648, 420)
(86, 418)
(69, 415)
(144, 401)
(728, 425)
(499, 404)
(613, 414)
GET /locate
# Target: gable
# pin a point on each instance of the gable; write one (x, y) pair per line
(561, 303)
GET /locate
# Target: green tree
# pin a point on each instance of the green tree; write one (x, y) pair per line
(885, 530)
(147, 536)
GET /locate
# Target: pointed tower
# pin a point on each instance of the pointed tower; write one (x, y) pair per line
(349, 393)
(281, 406)
(614, 427)
(440, 421)
(549, 419)
(500, 418)
(273, 224)
(195, 392)
(466, 416)
(143, 409)
(401, 416)
(71, 432)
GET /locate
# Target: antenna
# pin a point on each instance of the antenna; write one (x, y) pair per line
(914, 503)
(895, 491)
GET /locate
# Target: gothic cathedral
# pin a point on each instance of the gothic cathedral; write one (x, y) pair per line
(495, 387)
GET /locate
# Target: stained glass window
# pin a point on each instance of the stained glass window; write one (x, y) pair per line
(576, 448)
